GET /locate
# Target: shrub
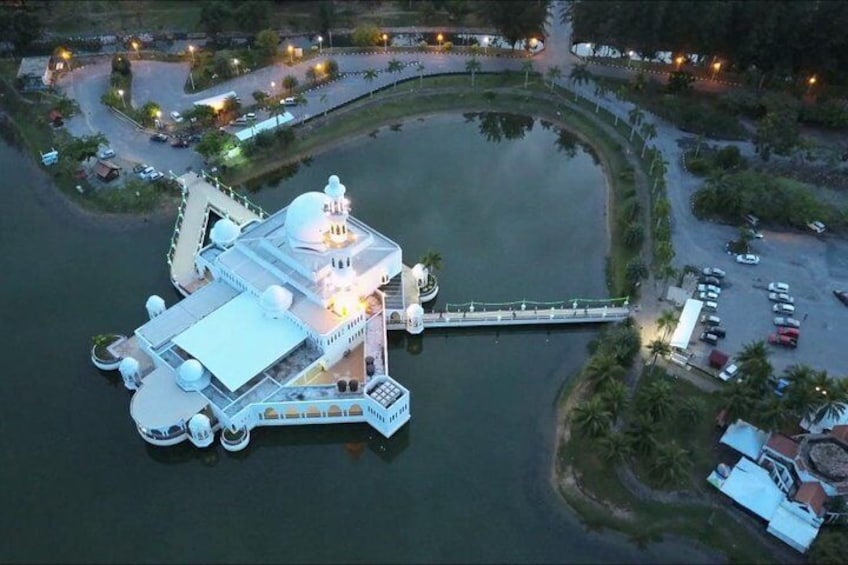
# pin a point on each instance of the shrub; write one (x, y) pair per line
(700, 166)
(729, 158)
(121, 65)
(365, 36)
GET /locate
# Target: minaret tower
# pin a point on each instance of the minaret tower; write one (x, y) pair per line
(344, 276)
(338, 211)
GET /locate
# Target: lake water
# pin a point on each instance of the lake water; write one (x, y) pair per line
(466, 481)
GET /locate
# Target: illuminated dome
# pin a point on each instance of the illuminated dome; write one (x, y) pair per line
(414, 310)
(191, 376)
(224, 232)
(307, 221)
(334, 188)
(275, 300)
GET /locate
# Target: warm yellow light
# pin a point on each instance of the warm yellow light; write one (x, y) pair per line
(191, 48)
(158, 113)
(533, 42)
(385, 37)
(120, 92)
(235, 61)
(319, 67)
(290, 48)
(717, 66)
(66, 55)
(347, 304)
(440, 37)
(812, 80)
(679, 60)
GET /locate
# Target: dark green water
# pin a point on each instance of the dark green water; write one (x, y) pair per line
(467, 481)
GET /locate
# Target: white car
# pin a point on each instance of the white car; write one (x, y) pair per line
(729, 372)
(145, 173)
(787, 322)
(176, 116)
(709, 288)
(713, 272)
(783, 309)
(707, 296)
(778, 287)
(155, 176)
(289, 101)
(710, 306)
(748, 259)
(781, 297)
(106, 153)
(817, 226)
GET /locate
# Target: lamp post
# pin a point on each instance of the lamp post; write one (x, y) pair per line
(318, 69)
(320, 44)
(158, 116)
(273, 86)
(439, 38)
(716, 69)
(290, 49)
(135, 46)
(66, 55)
(486, 44)
(630, 57)
(679, 61)
(236, 63)
(385, 42)
(810, 83)
(121, 94)
(191, 50)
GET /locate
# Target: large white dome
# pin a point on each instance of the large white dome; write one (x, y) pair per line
(224, 232)
(306, 219)
(191, 371)
(275, 300)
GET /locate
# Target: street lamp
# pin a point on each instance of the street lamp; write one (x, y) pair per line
(439, 38)
(486, 44)
(191, 50)
(679, 61)
(630, 56)
(290, 49)
(273, 85)
(533, 42)
(320, 44)
(319, 68)
(121, 94)
(66, 55)
(385, 42)
(236, 63)
(716, 68)
(810, 83)
(135, 46)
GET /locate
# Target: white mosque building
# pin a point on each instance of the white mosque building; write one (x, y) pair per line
(289, 330)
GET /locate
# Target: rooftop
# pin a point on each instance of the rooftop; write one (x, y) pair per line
(812, 494)
(782, 445)
(31, 66)
(160, 402)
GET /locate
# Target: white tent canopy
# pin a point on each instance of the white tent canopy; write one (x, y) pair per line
(686, 324)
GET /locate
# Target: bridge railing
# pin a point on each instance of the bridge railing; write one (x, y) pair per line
(230, 192)
(536, 305)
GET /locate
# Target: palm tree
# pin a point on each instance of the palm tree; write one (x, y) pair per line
(600, 92)
(671, 463)
(395, 66)
(592, 418)
(833, 396)
(602, 370)
(614, 397)
(290, 83)
(649, 132)
(641, 434)
(739, 399)
(369, 76)
(554, 73)
(527, 67)
(635, 117)
(666, 321)
(432, 260)
(420, 68)
(770, 413)
(472, 66)
(323, 100)
(662, 208)
(657, 399)
(753, 363)
(579, 75)
(658, 347)
(614, 447)
(690, 410)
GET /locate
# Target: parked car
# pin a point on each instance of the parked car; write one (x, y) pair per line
(710, 320)
(729, 372)
(140, 167)
(240, 120)
(748, 259)
(159, 137)
(782, 340)
(289, 101)
(842, 295)
(794, 333)
(710, 306)
(778, 287)
(787, 322)
(817, 227)
(180, 143)
(781, 297)
(709, 288)
(783, 309)
(710, 280)
(176, 116)
(156, 175)
(707, 296)
(106, 153)
(718, 331)
(709, 338)
(250, 116)
(145, 173)
(713, 272)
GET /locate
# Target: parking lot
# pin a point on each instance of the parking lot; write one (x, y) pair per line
(812, 267)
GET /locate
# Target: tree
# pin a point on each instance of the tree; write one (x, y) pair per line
(739, 400)
(290, 82)
(671, 463)
(149, 112)
(592, 418)
(753, 362)
(267, 41)
(553, 73)
(472, 66)
(260, 96)
(326, 17)
(778, 131)
(251, 15)
(614, 447)
(366, 36)
(20, 25)
(432, 260)
(579, 75)
(770, 413)
(658, 347)
(331, 66)
(679, 82)
(634, 116)
(213, 16)
(832, 397)
(641, 434)
(212, 144)
(614, 397)
(634, 235)
(203, 114)
(517, 19)
(85, 147)
(649, 132)
(636, 270)
(394, 67)
(666, 321)
(527, 67)
(689, 411)
(600, 92)
(369, 77)
(656, 399)
(121, 65)
(602, 370)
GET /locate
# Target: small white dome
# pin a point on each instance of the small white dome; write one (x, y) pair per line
(191, 371)
(419, 271)
(199, 423)
(334, 189)
(224, 232)
(414, 310)
(306, 219)
(275, 300)
(128, 366)
(155, 304)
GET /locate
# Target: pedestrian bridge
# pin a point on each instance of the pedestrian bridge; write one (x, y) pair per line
(521, 313)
